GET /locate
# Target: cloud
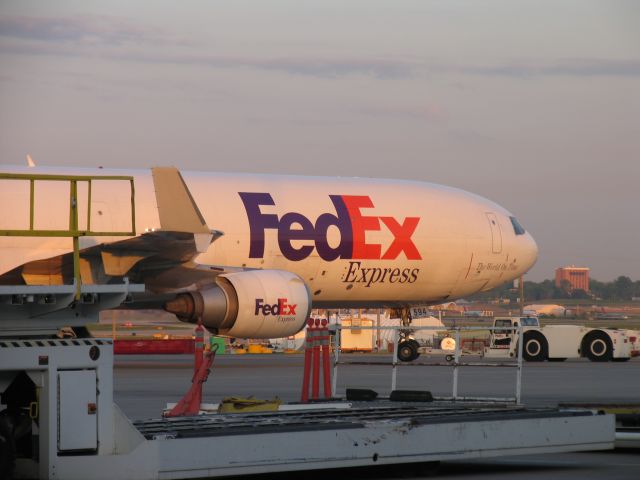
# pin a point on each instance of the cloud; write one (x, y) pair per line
(121, 39)
(418, 111)
(323, 67)
(334, 67)
(83, 29)
(574, 67)
(80, 36)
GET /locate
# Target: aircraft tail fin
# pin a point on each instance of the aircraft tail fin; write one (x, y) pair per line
(176, 207)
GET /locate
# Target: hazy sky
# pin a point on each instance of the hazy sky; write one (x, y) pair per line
(533, 104)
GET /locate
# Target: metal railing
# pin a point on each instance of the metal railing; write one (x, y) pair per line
(456, 364)
(73, 231)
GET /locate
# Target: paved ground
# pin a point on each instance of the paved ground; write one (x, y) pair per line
(144, 384)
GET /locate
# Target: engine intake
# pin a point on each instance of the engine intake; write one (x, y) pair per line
(250, 304)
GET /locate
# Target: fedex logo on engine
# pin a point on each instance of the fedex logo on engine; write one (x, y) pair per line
(277, 309)
(348, 219)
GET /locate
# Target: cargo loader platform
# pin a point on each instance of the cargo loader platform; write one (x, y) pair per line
(382, 433)
(359, 415)
(79, 433)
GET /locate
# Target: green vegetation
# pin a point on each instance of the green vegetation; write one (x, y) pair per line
(622, 289)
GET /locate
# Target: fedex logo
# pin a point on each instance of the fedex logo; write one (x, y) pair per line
(277, 309)
(348, 219)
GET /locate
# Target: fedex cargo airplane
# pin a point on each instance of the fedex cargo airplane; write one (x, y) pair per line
(250, 254)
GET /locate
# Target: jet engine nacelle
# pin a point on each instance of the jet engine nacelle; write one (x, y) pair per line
(249, 304)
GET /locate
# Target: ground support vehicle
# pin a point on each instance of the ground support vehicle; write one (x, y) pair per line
(427, 335)
(441, 342)
(409, 348)
(559, 342)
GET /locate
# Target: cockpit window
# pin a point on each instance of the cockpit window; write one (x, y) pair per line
(516, 226)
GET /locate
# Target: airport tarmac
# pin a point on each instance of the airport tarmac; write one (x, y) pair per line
(144, 384)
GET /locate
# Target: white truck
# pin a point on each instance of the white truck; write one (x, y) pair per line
(559, 342)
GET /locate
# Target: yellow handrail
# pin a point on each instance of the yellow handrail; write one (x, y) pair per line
(73, 231)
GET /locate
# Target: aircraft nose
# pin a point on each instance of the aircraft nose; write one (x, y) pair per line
(528, 252)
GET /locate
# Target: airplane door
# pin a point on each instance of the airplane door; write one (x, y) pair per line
(496, 234)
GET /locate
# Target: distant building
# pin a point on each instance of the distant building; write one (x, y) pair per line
(578, 277)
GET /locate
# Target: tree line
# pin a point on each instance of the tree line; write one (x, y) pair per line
(620, 289)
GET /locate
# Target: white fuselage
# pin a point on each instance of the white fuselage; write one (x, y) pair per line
(354, 241)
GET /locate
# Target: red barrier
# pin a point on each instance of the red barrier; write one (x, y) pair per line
(151, 346)
(316, 346)
(190, 403)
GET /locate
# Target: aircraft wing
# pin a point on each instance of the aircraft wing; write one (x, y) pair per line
(162, 260)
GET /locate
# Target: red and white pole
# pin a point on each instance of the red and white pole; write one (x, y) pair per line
(315, 387)
(308, 346)
(326, 358)
(316, 345)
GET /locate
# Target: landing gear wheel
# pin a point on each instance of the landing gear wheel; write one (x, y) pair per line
(597, 347)
(449, 358)
(407, 350)
(416, 347)
(535, 347)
